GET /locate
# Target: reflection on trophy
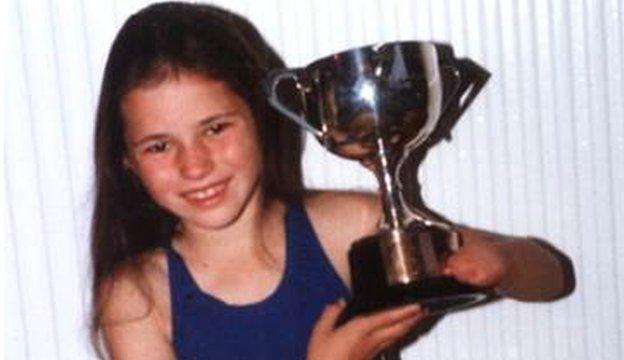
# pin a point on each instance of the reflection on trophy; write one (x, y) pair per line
(382, 105)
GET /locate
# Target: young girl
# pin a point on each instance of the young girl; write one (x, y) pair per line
(205, 243)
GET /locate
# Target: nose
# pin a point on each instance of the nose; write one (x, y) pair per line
(195, 161)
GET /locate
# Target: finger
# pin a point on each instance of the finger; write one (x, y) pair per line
(369, 323)
(394, 332)
(328, 318)
(386, 336)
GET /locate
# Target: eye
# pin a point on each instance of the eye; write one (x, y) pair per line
(215, 128)
(157, 147)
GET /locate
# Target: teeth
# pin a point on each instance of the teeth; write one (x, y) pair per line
(206, 193)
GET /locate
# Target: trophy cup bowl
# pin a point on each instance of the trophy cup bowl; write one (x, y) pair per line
(380, 104)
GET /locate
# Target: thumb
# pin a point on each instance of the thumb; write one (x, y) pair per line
(459, 266)
(466, 270)
(327, 321)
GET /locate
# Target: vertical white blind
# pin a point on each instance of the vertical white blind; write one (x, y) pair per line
(540, 152)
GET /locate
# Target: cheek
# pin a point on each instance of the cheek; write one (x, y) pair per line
(156, 177)
(244, 152)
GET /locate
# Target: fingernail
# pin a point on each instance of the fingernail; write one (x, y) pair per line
(414, 319)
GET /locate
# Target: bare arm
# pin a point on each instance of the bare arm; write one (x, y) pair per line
(526, 269)
(136, 340)
(131, 325)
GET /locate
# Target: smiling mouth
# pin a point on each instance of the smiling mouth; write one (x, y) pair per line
(206, 194)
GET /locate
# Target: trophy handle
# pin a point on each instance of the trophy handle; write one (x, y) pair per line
(473, 78)
(274, 78)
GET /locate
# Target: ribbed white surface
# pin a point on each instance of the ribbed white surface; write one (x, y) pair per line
(541, 152)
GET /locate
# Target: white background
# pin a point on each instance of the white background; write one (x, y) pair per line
(540, 152)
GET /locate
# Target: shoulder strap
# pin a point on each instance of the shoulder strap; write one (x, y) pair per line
(181, 286)
(308, 259)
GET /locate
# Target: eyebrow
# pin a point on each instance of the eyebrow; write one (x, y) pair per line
(203, 122)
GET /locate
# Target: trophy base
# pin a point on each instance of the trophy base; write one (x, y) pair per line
(437, 295)
(436, 292)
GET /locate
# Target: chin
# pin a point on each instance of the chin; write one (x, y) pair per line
(216, 221)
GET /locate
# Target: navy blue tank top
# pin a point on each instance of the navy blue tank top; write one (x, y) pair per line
(277, 327)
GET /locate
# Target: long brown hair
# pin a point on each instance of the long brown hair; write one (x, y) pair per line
(156, 42)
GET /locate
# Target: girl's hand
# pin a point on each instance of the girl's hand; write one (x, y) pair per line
(481, 261)
(362, 337)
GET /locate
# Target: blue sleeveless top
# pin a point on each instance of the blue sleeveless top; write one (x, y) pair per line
(277, 327)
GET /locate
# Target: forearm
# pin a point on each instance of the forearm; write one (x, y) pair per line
(536, 271)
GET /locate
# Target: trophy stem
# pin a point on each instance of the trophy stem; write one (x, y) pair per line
(392, 209)
(402, 257)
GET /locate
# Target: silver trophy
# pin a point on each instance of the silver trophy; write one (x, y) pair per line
(386, 105)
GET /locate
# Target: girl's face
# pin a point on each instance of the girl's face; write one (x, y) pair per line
(192, 141)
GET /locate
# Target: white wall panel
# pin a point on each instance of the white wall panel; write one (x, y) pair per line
(540, 152)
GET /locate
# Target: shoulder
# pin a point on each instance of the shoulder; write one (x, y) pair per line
(341, 217)
(344, 212)
(133, 305)
(138, 284)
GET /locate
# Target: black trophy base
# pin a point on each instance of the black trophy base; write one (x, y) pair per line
(437, 293)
